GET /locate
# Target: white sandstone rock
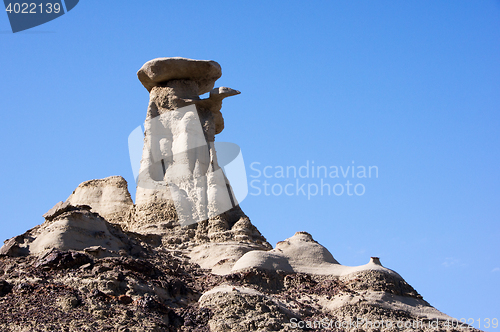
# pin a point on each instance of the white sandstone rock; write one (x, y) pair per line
(302, 254)
(109, 197)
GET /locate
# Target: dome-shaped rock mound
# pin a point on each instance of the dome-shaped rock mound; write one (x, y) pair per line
(69, 227)
(302, 254)
(109, 197)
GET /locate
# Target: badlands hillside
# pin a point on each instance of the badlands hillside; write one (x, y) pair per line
(184, 256)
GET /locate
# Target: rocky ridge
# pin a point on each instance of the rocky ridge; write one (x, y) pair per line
(81, 272)
(184, 256)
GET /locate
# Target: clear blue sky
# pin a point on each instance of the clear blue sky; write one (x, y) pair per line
(412, 87)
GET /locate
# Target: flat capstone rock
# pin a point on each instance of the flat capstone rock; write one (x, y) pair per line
(161, 70)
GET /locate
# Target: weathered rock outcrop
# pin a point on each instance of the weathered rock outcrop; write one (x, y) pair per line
(179, 170)
(69, 227)
(182, 193)
(185, 257)
(110, 200)
(163, 290)
(108, 197)
(202, 72)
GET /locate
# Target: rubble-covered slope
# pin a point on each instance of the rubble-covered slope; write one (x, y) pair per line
(161, 290)
(82, 271)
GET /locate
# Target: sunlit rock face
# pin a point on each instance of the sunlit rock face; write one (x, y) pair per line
(185, 257)
(109, 197)
(70, 227)
(180, 182)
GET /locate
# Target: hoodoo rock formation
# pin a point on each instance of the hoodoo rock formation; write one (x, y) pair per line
(184, 256)
(180, 182)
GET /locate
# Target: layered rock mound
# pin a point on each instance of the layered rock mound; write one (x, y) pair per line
(184, 256)
(142, 287)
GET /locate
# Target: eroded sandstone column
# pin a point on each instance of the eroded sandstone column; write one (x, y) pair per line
(180, 181)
